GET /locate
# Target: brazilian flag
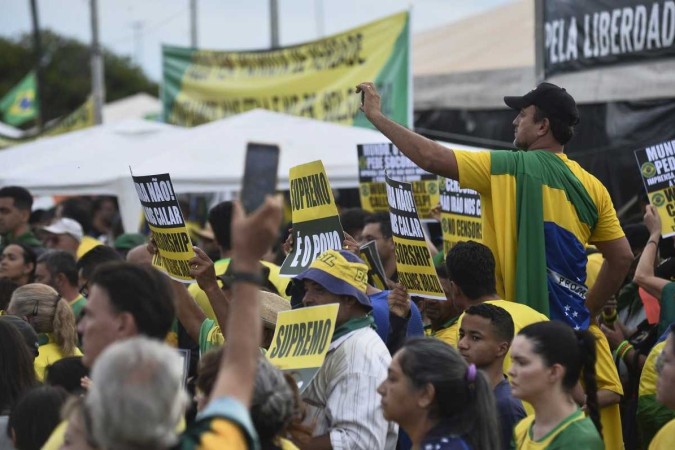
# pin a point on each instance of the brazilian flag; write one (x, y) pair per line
(20, 104)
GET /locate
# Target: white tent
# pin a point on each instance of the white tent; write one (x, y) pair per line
(208, 158)
(135, 106)
(94, 161)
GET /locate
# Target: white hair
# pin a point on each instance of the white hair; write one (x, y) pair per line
(137, 398)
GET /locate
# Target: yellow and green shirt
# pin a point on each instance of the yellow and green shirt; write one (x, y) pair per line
(447, 333)
(607, 377)
(576, 431)
(651, 415)
(279, 282)
(665, 438)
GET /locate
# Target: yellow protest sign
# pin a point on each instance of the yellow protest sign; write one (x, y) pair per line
(657, 168)
(165, 219)
(314, 80)
(301, 340)
(460, 214)
(316, 222)
(414, 265)
(375, 160)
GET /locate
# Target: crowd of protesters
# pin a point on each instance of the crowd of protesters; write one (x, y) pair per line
(99, 350)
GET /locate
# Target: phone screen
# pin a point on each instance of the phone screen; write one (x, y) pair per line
(260, 174)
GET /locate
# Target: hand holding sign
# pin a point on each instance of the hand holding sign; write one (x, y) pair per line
(350, 244)
(255, 233)
(399, 301)
(202, 269)
(652, 220)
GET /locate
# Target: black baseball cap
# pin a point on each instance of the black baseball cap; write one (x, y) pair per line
(553, 100)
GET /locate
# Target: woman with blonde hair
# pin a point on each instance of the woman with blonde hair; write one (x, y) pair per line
(51, 317)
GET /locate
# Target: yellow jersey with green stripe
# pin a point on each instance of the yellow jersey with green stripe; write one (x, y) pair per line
(651, 415)
(575, 432)
(447, 333)
(574, 206)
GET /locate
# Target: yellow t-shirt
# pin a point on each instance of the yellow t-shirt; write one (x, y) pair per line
(651, 415)
(593, 266)
(447, 333)
(50, 352)
(665, 438)
(475, 173)
(607, 378)
(279, 282)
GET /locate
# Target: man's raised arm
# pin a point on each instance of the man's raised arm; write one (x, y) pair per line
(424, 152)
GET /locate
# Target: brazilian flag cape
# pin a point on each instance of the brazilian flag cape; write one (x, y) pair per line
(549, 260)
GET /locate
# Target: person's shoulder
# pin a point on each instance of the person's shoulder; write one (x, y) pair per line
(519, 309)
(664, 437)
(363, 344)
(580, 434)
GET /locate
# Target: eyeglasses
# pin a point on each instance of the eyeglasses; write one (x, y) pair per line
(84, 290)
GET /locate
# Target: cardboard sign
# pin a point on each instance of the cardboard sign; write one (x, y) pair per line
(460, 214)
(165, 219)
(316, 222)
(301, 341)
(413, 261)
(657, 168)
(375, 160)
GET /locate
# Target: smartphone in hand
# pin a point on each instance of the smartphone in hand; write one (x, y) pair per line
(260, 174)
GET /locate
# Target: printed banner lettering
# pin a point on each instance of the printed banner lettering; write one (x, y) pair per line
(314, 80)
(165, 219)
(657, 167)
(316, 222)
(301, 340)
(413, 261)
(584, 34)
(460, 214)
(375, 160)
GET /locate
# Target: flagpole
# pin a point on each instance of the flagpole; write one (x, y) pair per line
(38, 69)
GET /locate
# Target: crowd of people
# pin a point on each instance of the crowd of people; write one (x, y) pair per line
(557, 332)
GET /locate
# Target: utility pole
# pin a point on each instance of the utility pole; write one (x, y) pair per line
(138, 42)
(97, 83)
(193, 23)
(539, 45)
(37, 46)
(318, 12)
(274, 23)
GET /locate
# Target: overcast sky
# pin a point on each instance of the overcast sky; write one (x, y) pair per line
(138, 28)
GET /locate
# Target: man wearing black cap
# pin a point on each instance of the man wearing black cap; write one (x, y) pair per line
(539, 208)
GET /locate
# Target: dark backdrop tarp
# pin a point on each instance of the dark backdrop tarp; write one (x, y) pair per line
(605, 138)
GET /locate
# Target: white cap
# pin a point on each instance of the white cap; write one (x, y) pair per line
(66, 226)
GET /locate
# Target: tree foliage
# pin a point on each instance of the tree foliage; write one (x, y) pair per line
(66, 72)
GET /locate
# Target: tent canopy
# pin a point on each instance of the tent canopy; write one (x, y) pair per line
(211, 157)
(208, 158)
(94, 161)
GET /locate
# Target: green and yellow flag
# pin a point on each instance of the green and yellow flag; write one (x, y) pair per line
(314, 80)
(20, 104)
